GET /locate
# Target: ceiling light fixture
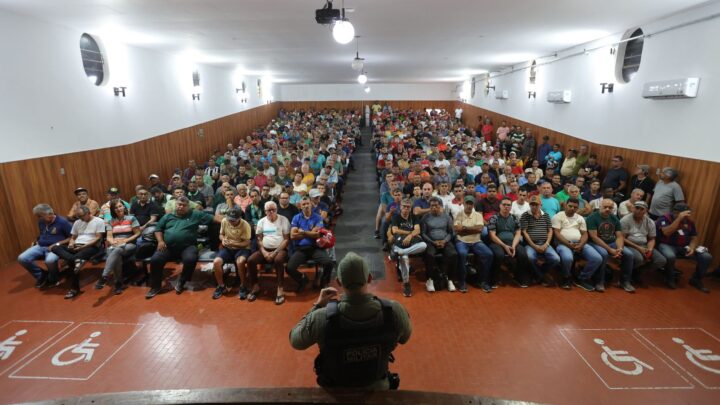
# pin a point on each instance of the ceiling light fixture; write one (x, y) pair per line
(358, 62)
(367, 89)
(342, 29)
(362, 78)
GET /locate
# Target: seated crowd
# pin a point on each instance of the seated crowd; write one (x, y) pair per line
(269, 201)
(448, 191)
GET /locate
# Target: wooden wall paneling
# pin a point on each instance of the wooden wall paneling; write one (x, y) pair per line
(33, 181)
(698, 178)
(10, 246)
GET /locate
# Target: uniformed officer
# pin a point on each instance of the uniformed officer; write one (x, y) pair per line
(356, 335)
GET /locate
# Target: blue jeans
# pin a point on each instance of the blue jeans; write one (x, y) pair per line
(591, 256)
(27, 260)
(482, 253)
(626, 262)
(552, 259)
(671, 253)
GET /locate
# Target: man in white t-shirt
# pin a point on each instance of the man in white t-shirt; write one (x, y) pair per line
(571, 233)
(86, 234)
(520, 206)
(273, 237)
(458, 114)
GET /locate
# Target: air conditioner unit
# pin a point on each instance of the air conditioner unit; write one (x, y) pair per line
(680, 88)
(502, 95)
(559, 96)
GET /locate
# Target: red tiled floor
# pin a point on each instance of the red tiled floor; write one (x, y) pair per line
(506, 344)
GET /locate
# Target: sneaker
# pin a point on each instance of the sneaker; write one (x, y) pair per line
(585, 285)
(180, 287)
(462, 287)
(153, 292)
(79, 264)
(219, 291)
(494, 285)
(119, 288)
(600, 287)
(522, 283)
(625, 285)
(486, 287)
(671, 284)
(243, 293)
(430, 285)
(566, 284)
(699, 285)
(42, 281)
(407, 290)
(301, 285)
(52, 284)
(451, 286)
(101, 283)
(377, 235)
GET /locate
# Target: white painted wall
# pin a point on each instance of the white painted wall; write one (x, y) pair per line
(378, 91)
(49, 107)
(685, 127)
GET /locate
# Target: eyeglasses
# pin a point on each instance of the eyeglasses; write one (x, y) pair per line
(270, 210)
(506, 205)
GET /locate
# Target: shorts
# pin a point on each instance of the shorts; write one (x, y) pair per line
(230, 255)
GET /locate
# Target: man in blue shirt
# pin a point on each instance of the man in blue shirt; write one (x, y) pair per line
(54, 231)
(304, 230)
(550, 204)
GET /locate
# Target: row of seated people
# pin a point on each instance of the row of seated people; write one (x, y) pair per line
(161, 227)
(439, 156)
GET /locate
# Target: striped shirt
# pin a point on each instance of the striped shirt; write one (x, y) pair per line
(537, 228)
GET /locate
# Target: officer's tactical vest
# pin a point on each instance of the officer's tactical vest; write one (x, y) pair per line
(356, 353)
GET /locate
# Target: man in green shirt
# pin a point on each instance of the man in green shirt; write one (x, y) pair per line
(358, 314)
(607, 239)
(177, 238)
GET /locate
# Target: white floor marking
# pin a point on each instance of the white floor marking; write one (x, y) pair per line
(7, 346)
(610, 357)
(688, 387)
(68, 324)
(140, 327)
(84, 349)
(638, 331)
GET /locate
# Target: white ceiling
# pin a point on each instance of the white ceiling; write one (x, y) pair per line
(402, 40)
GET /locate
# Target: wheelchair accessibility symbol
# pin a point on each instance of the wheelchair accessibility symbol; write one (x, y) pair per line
(84, 352)
(7, 346)
(699, 357)
(613, 359)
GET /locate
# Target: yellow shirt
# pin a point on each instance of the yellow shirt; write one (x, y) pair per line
(231, 236)
(473, 220)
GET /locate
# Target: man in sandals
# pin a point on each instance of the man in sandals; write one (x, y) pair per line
(235, 234)
(273, 236)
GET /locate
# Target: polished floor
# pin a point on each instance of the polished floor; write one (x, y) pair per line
(536, 344)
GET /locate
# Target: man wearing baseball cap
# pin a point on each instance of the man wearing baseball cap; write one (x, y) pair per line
(678, 238)
(356, 332)
(640, 237)
(83, 199)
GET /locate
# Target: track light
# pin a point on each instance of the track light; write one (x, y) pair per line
(119, 90)
(532, 94)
